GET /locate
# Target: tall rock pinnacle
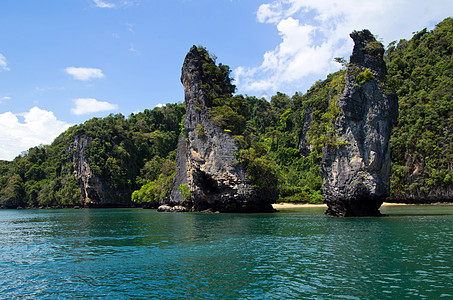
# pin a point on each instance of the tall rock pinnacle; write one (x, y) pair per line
(208, 175)
(356, 172)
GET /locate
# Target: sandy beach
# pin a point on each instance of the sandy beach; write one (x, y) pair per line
(294, 205)
(300, 205)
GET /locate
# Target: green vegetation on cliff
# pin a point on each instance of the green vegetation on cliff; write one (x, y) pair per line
(269, 132)
(281, 140)
(420, 70)
(157, 181)
(41, 176)
(123, 152)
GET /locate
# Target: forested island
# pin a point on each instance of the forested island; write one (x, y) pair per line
(122, 161)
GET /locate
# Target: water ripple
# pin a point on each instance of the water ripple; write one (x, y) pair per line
(142, 254)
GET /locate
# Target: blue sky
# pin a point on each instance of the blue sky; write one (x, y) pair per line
(64, 62)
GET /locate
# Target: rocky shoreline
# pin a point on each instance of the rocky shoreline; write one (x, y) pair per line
(275, 206)
(306, 205)
(70, 207)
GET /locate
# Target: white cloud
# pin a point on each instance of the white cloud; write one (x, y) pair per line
(132, 48)
(3, 63)
(116, 4)
(84, 73)
(269, 13)
(84, 106)
(3, 99)
(160, 105)
(130, 28)
(313, 32)
(102, 4)
(39, 127)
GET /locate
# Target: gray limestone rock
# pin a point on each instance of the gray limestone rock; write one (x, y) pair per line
(206, 162)
(304, 146)
(91, 187)
(356, 172)
(94, 191)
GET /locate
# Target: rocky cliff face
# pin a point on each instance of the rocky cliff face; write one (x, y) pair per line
(356, 170)
(208, 175)
(92, 190)
(304, 146)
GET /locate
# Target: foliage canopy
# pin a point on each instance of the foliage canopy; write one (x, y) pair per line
(136, 155)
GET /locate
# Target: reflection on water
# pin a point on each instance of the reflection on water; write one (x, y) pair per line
(133, 253)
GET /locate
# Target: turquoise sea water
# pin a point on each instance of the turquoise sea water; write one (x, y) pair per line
(294, 254)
